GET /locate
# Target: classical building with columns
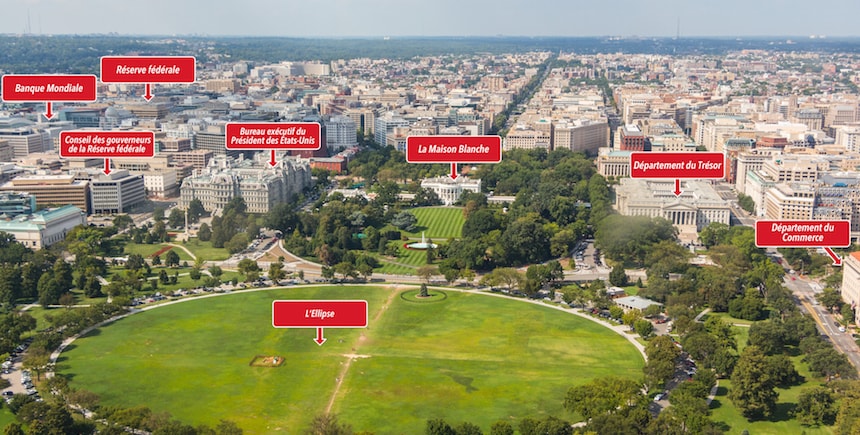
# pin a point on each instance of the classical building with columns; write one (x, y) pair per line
(613, 163)
(450, 190)
(697, 206)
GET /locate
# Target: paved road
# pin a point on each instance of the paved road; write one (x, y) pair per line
(806, 291)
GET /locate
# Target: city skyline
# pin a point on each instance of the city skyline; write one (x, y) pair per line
(378, 18)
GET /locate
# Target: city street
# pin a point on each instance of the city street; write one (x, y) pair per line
(806, 291)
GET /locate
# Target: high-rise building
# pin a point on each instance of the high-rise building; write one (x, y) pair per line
(25, 139)
(385, 125)
(214, 139)
(851, 280)
(581, 135)
(340, 133)
(116, 193)
(630, 138)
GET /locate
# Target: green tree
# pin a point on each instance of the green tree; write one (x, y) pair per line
(135, 262)
(661, 354)
(750, 307)
(195, 210)
(327, 272)
(204, 234)
(828, 362)
(227, 427)
(618, 277)
(438, 426)
(767, 336)
(215, 271)
(746, 203)
(752, 386)
(36, 359)
(644, 328)
(501, 427)
(176, 218)
(405, 221)
(781, 369)
(507, 276)
(171, 259)
(122, 222)
(714, 234)
(816, 406)
(426, 272)
(467, 428)
(276, 272)
(14, 428)
(158, 214)
(10, 285)
(606, 395)
(524, 241)
(237, 243)
(162, 277)
(63, 275)
(49, 290)
(328, 424)
(345, 269)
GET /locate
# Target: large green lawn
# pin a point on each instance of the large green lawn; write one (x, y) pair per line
(468, 357)
(148, 251)
(438, 222)
(6, 417)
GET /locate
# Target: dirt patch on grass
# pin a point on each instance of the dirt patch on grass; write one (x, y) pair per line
(267, 361)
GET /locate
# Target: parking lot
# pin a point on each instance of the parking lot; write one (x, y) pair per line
(20, 379)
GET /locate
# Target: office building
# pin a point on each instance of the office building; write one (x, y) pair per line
(52, 190)
(118, 192)
(14, 203)
(630, 138)
(851, 280)
(214, 139)
(581, 135)
(340, 133)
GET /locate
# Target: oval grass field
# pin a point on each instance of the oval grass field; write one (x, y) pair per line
(464, 357)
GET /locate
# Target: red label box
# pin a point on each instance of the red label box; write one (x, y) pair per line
(453, 149)
(107, 144)
(36, 88)
(677, 165)
(273, 135)
(148, 69)
(319, 314)
(802, 234)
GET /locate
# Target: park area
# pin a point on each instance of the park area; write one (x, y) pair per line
(457, 356)
(436, 224)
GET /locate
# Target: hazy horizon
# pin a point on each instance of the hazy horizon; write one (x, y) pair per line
(442, 18)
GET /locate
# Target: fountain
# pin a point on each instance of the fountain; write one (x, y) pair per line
(422, 245)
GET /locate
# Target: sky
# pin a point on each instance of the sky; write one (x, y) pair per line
(360, 18)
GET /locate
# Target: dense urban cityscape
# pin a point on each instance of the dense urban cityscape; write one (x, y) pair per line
(613, 299)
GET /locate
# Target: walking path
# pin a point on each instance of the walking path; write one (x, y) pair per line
(191, 254)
